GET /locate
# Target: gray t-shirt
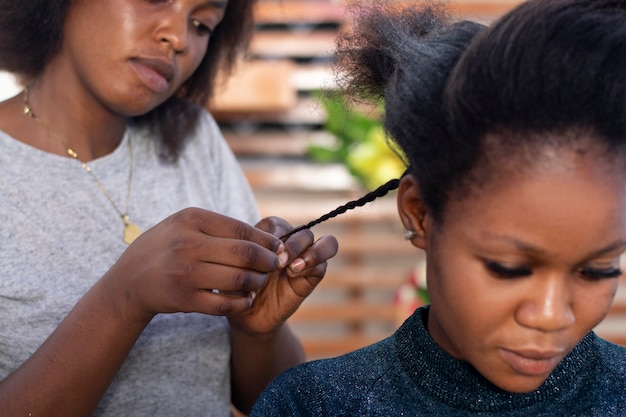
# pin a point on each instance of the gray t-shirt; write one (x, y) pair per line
(59, 234)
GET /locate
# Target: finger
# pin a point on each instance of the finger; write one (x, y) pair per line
(224, 251)
(306, 281)
(221, 304)
(299, 243)
(315, 273)
(274, 225)
(227, 279)
(321, 251)
(217, 225)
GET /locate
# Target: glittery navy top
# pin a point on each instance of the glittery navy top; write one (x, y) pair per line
(408, 374)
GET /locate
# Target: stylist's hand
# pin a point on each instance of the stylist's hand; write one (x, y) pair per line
(287, 288)
(197, 261)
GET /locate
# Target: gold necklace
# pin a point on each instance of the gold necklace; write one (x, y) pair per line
(131, 230)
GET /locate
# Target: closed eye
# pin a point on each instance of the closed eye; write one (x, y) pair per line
(501, 271)
(201, 28)
(597, 274)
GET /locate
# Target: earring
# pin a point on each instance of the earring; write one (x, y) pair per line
(410, 234)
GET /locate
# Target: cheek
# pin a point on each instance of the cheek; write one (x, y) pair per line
(463, 294)
(459, 279)
(471, 304)
(593, 302)
(193, 60)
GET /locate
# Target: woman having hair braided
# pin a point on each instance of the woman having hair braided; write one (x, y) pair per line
(516, 190)
(110, 139)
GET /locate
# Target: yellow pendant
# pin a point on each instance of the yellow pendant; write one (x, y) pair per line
(131, 232)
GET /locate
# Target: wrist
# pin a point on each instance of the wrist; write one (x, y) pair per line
(123, 301)
(240, 332)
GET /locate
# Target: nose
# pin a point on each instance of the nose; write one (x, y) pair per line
(173, 31)
(548, 305)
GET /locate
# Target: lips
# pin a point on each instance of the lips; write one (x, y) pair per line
(154, 73)
(532, 362)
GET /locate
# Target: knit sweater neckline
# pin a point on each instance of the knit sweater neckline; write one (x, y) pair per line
(460, 385)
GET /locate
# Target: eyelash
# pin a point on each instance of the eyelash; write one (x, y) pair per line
(598, 274)
(202, 28)
(590, 273)
(503, 272)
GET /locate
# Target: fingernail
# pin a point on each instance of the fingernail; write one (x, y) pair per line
(297, 265)
(251, 298)
(283, 258)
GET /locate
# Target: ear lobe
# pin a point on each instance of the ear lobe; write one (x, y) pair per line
(412, 211)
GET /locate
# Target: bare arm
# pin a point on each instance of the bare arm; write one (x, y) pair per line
(263, 346)
(171, 268)
(70, 372)
(256, 360)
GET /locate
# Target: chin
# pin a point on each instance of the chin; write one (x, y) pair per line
(520, 384)
(136, 105)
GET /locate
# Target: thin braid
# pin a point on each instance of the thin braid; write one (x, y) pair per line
(369, 197)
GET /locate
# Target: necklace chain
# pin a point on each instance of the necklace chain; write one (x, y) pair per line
(131, 231)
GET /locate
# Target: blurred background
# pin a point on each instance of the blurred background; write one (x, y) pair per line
(304, 156)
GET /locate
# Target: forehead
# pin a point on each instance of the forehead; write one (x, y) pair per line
(546, 195)
(507, 156)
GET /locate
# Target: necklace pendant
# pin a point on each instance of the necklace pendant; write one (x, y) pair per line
(131, 232)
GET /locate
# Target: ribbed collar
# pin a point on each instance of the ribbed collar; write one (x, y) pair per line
(458, 384)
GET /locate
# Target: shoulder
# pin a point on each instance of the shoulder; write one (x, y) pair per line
(610, 375)
(328, 387)
(205, 147)
(207, 123)
(613, 358)
(207, 132)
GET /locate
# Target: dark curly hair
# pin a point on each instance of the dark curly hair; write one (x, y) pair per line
(461, 98)
(31, 33)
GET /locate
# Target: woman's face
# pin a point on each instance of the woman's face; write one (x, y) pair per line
(525, 267)
(131, 55)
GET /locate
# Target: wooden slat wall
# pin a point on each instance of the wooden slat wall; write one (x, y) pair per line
(269, 126)
(355, 304)
(293, 12)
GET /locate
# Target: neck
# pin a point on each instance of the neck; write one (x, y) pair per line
(81, 122)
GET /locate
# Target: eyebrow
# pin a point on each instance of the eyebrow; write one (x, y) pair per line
(221, 4)
(520, 245)
(525, 247)
(608, 249)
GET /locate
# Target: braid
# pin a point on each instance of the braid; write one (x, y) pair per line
(369, 197)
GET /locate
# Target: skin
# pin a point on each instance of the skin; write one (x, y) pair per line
(103, 74)
(522, 269)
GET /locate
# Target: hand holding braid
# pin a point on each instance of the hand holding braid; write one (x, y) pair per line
(379, 192)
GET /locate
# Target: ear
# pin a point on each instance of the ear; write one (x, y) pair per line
(413, 212)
